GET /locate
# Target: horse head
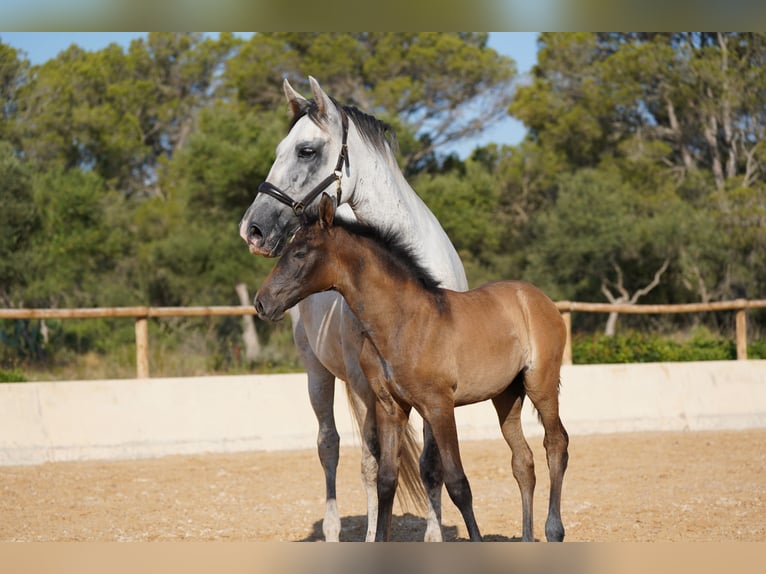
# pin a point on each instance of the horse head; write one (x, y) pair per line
(310, 160)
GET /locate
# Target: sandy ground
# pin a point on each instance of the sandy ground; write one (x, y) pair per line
(639, 487)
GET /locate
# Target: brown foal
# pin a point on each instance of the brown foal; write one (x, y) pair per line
(435, 349)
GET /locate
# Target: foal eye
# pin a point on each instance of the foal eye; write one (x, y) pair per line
(306, 152)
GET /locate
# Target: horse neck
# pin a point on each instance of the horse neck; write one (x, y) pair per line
(381, 197)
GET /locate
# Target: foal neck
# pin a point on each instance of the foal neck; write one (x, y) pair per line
(380, 277)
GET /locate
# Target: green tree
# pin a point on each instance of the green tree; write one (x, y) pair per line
(19, 225)
(442, 86)
(76, 245)
(678, 110)
(606, 236)
(192, 253)
(119, 114)
(464, 200)
(698, 92)
(13, 71)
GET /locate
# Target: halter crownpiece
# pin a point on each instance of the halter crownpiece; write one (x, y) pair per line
(299, 206)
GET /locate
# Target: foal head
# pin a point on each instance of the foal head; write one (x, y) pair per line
(304, 268)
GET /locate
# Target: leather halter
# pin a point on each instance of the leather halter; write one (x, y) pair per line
(299, 206)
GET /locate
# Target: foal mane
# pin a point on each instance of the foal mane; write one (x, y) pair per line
(401, 254)
(377, 133)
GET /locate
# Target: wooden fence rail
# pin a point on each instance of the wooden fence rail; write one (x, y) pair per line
(142, 314)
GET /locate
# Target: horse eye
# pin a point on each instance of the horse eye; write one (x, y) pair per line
(306, 153)
(299, 254)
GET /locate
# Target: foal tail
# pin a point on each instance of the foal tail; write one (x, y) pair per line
(411, 492)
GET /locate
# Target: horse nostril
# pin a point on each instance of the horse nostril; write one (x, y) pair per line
(253, 232)
(258, 306)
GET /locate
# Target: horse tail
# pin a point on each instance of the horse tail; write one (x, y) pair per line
(411, 493)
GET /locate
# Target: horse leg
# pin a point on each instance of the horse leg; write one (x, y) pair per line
(441, 418)
(542, 386)
(392, 422)
(321, 383)
(433, 478)
(363, 407)
(508, 406)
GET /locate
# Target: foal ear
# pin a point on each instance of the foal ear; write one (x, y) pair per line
(326, 211)
(323, 101)
(296, 101)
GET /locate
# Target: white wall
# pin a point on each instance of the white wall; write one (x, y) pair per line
(118, 419)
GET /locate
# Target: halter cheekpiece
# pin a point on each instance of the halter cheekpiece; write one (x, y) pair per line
(299, 206)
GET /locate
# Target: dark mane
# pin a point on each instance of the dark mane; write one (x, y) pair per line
(375, 132)
(395, 246)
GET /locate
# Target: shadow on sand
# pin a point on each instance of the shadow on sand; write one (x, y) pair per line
(405, 528)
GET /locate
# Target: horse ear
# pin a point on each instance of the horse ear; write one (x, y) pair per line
(296, 101)
(326, 211)
(323, 101)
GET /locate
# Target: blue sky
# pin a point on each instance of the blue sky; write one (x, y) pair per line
(521, 46)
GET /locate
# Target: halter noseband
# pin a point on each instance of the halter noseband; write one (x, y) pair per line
(299, 206)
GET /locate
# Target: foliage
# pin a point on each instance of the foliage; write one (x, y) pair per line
(443, 86)
(12, 376)
(640, 347)
(124, 173)
(19, 222)
(673, 113)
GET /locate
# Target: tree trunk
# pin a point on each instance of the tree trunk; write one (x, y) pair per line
(611, 324)
(249, 335)
(625, 297)
(710, 133)
(726, 111)
(678, 135)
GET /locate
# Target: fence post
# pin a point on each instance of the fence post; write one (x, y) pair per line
(142, 348)
(741, 321)
(567, 316)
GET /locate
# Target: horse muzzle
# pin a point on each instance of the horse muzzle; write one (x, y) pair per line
(257, 242)
(266, 311)
(254, 238)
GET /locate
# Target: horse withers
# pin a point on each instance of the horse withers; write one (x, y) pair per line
(433, 349)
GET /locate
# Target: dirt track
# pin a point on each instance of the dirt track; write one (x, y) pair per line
(690, 486)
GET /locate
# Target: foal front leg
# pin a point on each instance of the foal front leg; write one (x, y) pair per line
(392, 422)
(433, 478)
(441, 418)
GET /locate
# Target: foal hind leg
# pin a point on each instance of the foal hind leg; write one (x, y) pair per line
(508, 406)
(432, 476)
(542, 386)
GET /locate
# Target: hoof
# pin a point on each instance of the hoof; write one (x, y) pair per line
(433, 533)
(554, 531)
